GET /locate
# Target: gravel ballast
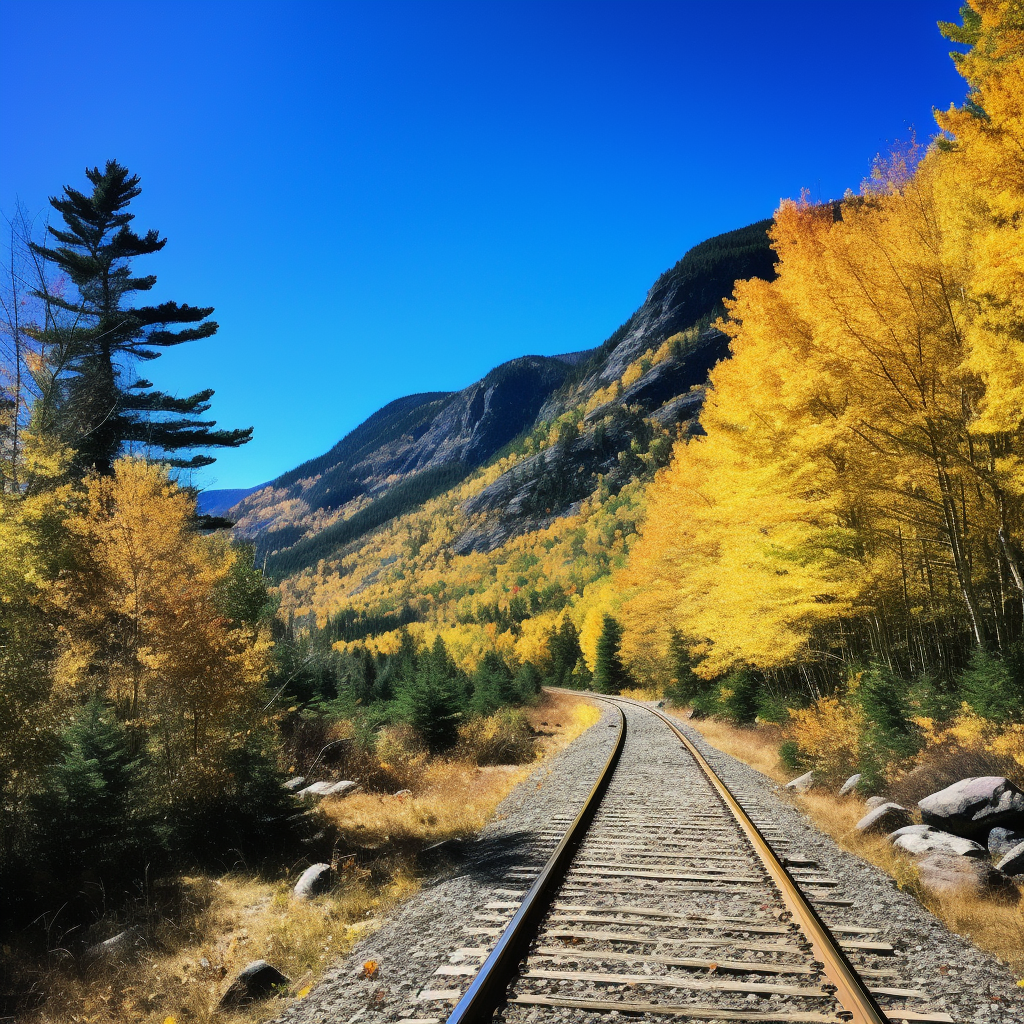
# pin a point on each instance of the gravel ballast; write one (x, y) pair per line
(429, 929)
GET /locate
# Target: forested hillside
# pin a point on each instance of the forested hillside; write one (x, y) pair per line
(829, 534)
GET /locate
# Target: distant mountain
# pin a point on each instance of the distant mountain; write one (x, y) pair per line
(421, 446)
(217, 501)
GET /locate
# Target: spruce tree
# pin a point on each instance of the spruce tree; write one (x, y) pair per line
(610, 675)
(106, 407)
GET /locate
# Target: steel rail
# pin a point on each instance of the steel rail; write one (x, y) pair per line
(859, 1005)
(490, 986)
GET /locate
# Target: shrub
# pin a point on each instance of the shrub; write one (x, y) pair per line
(827, 734)
(992, 687)
(889, 735)
(502, 738)
(792, 756)
(738, 697)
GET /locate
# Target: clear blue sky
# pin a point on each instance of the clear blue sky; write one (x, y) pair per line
(383, 198)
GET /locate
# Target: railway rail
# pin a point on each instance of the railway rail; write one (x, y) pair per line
(670, 895)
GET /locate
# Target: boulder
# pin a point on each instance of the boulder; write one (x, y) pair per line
(849, 785)
(257, 981)
(1002, 840)
(802, 784)
(293, 784)
(317, 789)
(313, 881)
(874, 801)
(343, 789)
(911, 830)
(943, 872)
(972, 807)
(116, 946)
(887, 817)
(1013, 862)
(933, 841)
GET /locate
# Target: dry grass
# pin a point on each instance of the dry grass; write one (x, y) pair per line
(208, 928)
(643, 693)
(991, 924)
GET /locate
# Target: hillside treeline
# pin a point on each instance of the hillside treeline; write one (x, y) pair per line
(852, 520)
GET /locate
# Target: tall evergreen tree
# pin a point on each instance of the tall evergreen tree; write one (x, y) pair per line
(106, 406)
(610, 675)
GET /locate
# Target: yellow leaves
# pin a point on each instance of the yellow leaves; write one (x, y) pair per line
(370, 969)
(828, 733)
(303, 992)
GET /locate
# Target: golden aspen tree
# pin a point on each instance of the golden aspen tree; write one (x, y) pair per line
(143, 626)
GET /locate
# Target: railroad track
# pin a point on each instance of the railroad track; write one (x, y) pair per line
(669, 895)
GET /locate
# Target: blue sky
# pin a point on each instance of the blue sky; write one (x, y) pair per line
(383, 198)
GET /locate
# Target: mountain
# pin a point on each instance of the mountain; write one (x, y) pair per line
(593, 407)
(217, 501)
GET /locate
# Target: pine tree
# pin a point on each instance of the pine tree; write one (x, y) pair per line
(432, 698)
(106, 407)
(610, 676)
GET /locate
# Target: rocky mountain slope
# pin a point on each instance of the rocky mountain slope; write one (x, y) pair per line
(602, 404)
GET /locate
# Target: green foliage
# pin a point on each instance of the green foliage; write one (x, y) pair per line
(739, 696)
(431, 697)
(243, 596)
(686, 685)
(527, 683)
(889, 732)
(90, 815)
(106, 407)
(993, 687)
(493, 685)
(564, 647)
(791, 756)
(610, 675)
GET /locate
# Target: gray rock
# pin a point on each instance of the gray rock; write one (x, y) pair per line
(887, 817)
(317, 789)
(874, 801)
(933, 841)
(116, 946)
(802, 784)
(313, 881)
(973, 806)
(346, 788)
(943, 872)
(1013, 862)
(257, 981)
(403, 793)
(1002, 840)
(293, 784)
(849, 785)
(912, 830)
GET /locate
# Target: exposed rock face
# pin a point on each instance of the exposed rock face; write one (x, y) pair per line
(257, 981)
(420, 446)
(292, 785)
(1002, 840)
(313, 881)
(933, 841)
(973, 806)
(943, 872)
(849, 785)
(886, 817)
(1013, 862)
(802, 783)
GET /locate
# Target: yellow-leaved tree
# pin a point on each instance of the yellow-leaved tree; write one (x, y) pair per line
(143, 624)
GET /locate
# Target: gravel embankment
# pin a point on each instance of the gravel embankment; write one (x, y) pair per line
(429, 927)
(969, 984)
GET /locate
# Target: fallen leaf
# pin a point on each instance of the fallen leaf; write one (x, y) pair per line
(301, 994)
(370, 969)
